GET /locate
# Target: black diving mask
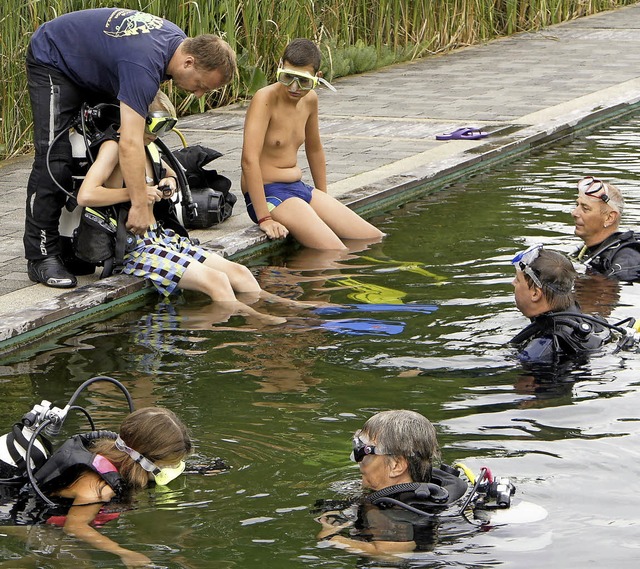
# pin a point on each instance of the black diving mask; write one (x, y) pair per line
(362, 449)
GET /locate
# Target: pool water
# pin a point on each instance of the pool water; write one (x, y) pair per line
(279, 404)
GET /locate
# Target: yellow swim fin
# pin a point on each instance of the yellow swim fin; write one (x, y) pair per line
(370, 293)
(406, 266)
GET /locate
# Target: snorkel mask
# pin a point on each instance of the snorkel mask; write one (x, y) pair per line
(305, 81)
(597, 189)
(522, 262)
(360, 449)
(159, 123)
(162, 476)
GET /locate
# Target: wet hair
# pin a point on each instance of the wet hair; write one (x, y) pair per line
(156, 433)
(162, 103)
(557, 275)
(406, 434)
(302, 52)
(212, 52)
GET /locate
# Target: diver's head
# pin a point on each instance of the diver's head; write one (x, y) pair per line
(302, 52)
(394, 447)
(152, 435)
(544, 281)
(161, 117)
(599, 206)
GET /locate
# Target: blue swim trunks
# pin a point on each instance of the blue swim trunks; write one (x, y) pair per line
(277, 192)
(162, 256)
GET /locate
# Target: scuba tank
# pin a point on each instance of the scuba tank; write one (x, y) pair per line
(25, 450)
(446, 489)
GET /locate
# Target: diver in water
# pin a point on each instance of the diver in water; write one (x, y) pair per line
(543, 289)
(71, 486)
(395, 451)
(606, 250)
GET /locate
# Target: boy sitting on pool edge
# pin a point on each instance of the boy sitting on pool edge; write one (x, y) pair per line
(280, 118)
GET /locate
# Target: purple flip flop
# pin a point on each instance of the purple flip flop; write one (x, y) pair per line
(465, 133)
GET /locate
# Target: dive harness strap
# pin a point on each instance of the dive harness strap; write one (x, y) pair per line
(17, 437)
(121, 240)
(422, 490)
(190, 206)
(618, 241)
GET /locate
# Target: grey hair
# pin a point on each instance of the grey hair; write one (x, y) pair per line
(406, 434)
(616, 201)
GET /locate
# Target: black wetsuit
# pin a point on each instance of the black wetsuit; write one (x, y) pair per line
(617, 257)
(554, 336)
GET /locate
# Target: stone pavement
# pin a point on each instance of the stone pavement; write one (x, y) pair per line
(379, 136)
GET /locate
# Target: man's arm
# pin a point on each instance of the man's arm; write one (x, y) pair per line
(313, 146)
(132, 163)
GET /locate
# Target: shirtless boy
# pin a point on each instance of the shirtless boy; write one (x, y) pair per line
(281, 117)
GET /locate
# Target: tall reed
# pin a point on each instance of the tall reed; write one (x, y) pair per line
(355, 35)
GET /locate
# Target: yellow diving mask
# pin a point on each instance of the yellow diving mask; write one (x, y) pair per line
(305, 81)
(162, 476)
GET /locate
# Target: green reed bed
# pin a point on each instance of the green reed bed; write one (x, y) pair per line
(355, 35)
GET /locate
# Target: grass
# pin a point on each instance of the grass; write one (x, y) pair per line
(355, 36)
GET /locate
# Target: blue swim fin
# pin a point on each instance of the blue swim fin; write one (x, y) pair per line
(419, 308)
(364, 326)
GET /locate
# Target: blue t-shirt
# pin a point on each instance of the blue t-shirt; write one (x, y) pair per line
(121, 53)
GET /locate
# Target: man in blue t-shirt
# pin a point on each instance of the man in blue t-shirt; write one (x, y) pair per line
(103, 55)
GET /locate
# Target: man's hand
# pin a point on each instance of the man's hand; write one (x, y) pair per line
(138, 220)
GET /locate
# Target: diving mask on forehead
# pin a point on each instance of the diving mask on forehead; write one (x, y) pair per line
(597, 189)
(162, 476)
(522, 261)
(159, 123)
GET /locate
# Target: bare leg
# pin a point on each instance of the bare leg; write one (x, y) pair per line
(344, 222)
(240, 277)
(306, 226)
(243, 281)
(324, 222)
(217, 285)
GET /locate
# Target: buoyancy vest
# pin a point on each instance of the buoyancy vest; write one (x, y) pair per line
(602, 257)
(443, 490)
(75, 456)
(553, 335)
